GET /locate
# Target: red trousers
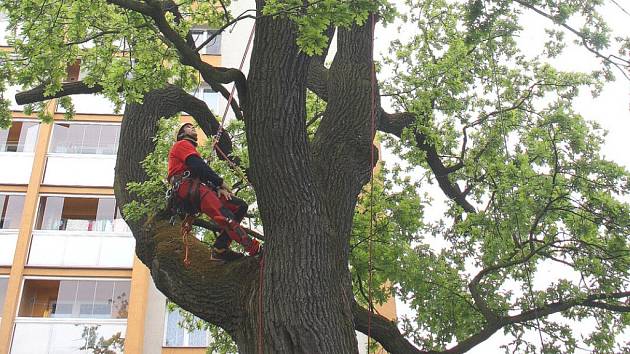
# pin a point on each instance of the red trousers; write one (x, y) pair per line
(227, 213)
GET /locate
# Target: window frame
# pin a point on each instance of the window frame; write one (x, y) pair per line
(50, 141)
(4, 296)
(186, 341)
(24, 120)
(34, 228)
(22, 319)
(21, 217)
(206, 33)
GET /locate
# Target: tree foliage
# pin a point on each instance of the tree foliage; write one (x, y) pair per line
(535, 229)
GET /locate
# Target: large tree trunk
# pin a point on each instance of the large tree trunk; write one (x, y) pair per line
(306, 303)
(306, 194)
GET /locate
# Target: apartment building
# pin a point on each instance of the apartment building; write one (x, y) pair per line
(68, 272)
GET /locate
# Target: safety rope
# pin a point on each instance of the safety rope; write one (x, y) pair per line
(372, 136)
(186, 228)
(261, 279)
(217, 136)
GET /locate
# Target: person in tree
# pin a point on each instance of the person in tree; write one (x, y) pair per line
(199, 188)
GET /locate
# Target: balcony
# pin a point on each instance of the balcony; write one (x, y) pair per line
(11, 207)
(80, 232)
(76, 249)
(92, 104)
(62, 315)
(8, 240)
(88, 170)
(86, 149)
(62, 336)
(17, 146)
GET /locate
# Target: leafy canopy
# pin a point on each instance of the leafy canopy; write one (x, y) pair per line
(501, 119)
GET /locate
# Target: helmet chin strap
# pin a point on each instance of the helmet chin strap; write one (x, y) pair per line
(190, 138)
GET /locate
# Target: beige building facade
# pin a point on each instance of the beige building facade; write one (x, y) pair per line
(68, 272)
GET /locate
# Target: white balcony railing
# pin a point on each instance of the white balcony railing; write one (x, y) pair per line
(92, 104)
(81, 249)
(16, 168)
(67, 336)
(8, 240)
(80, 170)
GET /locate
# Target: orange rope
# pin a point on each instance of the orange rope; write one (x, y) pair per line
(260, 308)
(185, 230)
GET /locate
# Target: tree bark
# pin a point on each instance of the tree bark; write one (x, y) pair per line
(306, 308)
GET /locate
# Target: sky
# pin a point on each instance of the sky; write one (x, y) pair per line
(611, 110)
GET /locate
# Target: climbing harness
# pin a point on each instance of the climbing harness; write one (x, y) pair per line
(177, 205)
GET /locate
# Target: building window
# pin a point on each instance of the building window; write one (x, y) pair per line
(201, 35)
(79, 214)
(77, 138)
(20, 137)
(3, 292)
(102, 299)
(210, 97)
(11, 207)
(177, 336)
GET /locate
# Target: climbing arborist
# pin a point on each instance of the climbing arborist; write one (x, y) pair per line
(198, 188)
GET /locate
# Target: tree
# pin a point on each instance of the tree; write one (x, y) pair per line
(491, 127)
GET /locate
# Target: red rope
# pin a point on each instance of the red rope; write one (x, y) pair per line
(215, 139)
(373, 134)
(260, 307)
(229, 102)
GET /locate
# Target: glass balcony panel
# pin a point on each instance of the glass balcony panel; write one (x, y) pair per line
(59, 299)
(87, 139)
(39, 298)
(103, 299)
(20, 137)
(120, 300)
(11, 208)
(80, 214)
(177, 336)
(3, 292)
(85, 298)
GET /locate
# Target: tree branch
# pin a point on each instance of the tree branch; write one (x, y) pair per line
(318, 81)
(395, 124)
(386, 332)
(133, 5)
(68, 88)
(555, 307)
(619, 64)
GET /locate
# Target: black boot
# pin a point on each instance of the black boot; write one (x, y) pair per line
(225, 254)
